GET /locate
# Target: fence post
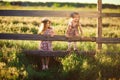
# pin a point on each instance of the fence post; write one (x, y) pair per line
(99, 23)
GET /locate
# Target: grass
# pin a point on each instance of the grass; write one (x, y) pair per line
(57, 8)
(40, 8)
(30, 25)
(103, 66)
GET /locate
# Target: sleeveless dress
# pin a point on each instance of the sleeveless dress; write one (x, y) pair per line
(72, 29)
(47, 45)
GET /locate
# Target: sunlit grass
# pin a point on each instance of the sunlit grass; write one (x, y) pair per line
(111, 10)
(14, 65)
(56, 8)
(41, 8)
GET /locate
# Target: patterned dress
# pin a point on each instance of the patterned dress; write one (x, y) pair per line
(47, 45)
(72, 28)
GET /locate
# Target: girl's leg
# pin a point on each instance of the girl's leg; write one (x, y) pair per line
(75, 45)
(69, 46)
(47, 62)
(43, 63)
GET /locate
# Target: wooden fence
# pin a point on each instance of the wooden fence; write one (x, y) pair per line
(10, 36)
(44, 13)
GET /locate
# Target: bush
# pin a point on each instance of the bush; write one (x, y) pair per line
(34, 31)
(24, 29)
(109, 65)
(80, 67)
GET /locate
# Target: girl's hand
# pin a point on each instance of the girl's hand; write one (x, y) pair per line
(81, 36)
(67, 35)
(52, 35)
(77, 34)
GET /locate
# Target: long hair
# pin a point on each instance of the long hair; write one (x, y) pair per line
(43, 26)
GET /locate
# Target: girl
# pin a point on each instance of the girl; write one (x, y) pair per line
(45, 29)
(73, 28)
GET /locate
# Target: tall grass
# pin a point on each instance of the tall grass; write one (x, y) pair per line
(15, 65)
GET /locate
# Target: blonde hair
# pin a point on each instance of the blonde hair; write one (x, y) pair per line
(72, 15)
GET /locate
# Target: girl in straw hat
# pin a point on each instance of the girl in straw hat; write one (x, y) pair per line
(46, 29)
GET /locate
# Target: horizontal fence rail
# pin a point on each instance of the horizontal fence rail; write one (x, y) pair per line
(55, 53)
(45, 53)
(109, 40)
(60, 53)
(45, 38)
(44, 13)
(11, 36)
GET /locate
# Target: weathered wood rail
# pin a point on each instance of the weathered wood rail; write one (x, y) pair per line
(43, 38)
(38, 37)
(56, 53)
(45, 53)
(53, 13)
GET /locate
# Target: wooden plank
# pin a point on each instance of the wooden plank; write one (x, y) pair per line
(45, 53)
(50, 13)
(7, 36)
(111, 15)
(99, 23)
(41, 37)
(56, 53)
(45, 13)
(108, 40)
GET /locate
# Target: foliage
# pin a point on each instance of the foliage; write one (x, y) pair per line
(102, 66)
(14, 65)
(58, 4)
(80, 67)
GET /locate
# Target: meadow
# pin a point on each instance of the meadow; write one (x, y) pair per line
(14, 65)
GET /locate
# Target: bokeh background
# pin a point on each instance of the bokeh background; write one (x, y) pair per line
(14, 65)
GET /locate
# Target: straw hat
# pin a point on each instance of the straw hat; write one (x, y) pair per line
(45, 19)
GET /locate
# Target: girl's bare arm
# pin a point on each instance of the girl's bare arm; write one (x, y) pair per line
(52, 33)
(80, 28)
(40, 29)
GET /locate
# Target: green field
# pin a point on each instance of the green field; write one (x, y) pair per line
(106, 10)
(16, 66)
